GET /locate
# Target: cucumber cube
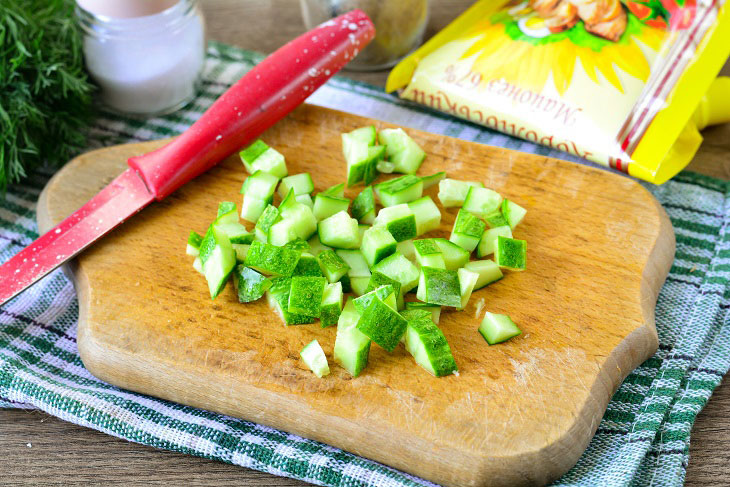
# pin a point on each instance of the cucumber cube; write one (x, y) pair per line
(326, 205)
(414, 314)
(315, 246)
(339, 231)
(250, 153)
(252, 208)
(251, 285)
(496, 328)
(488, 271)
(511, 253)
(217, 258)
(271, 260)
(198, 265)
(331, 304)
(363, 207)
(407, 249)
(512, 212)
(260, 185)
(428, 216)
(401, 150)
(355, 148)
(278, 299)
(399, 220)
(193, 245)
(359, 285)
(385, 293)
(435, 310)
(439, 286)
(307, 266)
(358, 266)
(489, 239)
(400, 190)
(227, 212)
(305, 295)
(298, 244)
(260, 157)
(351, 346)
(399, 268)
(375, 156)
(282, 232)
(305, 199)
(361, 229)
(482, 201)
(378, 279)
(332, 266)
(428, 253)
(467, 231)
(314, 357)
(428, 346)
(467, 282)
(454, 256)
(366, 134)
(300, 183)
(337, 190)
(236, 232)
(382, 324)
(433, 179)
(495, 219)
(241, 251)
(452, 192)
(377, 244)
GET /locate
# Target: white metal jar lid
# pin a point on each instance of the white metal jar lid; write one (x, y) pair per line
(125, 8)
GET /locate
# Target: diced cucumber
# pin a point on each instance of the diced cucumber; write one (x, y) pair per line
(355, 148)
(397, 267)
(326, 205)
(488, 271)
(428, 346)
(385, 167)
(298, 244)
(278, 299)
(361, 229)
(282, 232)
(271, 260)
(315, 246)
(252, 208)
(358, 266)
(363, 206)
(302, 217)
(366, 134)
(345, 281)
(218, 259)
(288, 201)
(489, 239)
(260, 157)
(400, 190)
(193, 245)
(439, 286)
(375, 156)
(399, 220)
(299, 183)
(307, 266)
(260, 185)
(351, 346)
(452, 192)
(339, 231)
(428, 216)
(385, 293)
(332, 265)
(467, 231)
(467, 281)
(250, 153)
(305, 199)
(305, 295)
(236, 232)
(482, 201)
(338, 190)
(496, 328)
(401, 150)
(428, 253)
(406, 248)
(377, 244)
(198, 265)
(511, 253)
(434, 309)
(382, 324)
(414, 314)
(331, 304)
(241, 250)
(251, 285)
(359, 285)
(227, 212)
(378, 279)
(314, 357)
(454, 256)
(512, 212)
(495, 219)
(433, 179)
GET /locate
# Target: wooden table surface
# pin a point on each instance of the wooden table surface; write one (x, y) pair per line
(37, 449)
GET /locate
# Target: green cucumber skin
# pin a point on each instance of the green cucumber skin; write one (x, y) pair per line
(424, 334)
(400, 190)
(272, 260)
(252, 152)
(489, 240)
(439, 286)
(496, 219)
(195, 239)
(225, 207)
(251, 285)
(409, 314)
(468, 224)
(332, 265)
(270, 216)
(377, 244)
(338, 190)
(382, 324)
(307, 267)
(305, 295)
(278, 297)
(214, 240)
(300, 183)
(511, 253)
(326, 205)
(433, 179)
(352, 348)
(297, 244)
(454, 256)
(361, 303)
(331, 305)
(364, 204)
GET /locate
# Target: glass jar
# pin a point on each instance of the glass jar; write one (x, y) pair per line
(399, 27)
(145, 55)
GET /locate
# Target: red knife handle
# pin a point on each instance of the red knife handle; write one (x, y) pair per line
(254, 103)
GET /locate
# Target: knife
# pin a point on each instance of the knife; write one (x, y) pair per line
(254, 103)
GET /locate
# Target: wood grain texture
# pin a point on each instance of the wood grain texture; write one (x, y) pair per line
(521, 412)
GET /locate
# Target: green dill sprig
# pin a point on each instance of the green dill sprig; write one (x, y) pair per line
(45, 93)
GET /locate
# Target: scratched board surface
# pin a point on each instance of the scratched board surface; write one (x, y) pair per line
(599, 248)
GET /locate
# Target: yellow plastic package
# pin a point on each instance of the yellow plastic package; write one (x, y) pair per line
(618, 82)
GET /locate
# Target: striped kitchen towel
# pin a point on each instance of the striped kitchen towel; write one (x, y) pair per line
(643, 438)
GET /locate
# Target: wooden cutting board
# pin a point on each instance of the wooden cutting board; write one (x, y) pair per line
(599, 249)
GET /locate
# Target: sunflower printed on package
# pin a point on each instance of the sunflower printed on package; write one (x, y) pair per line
(621, 83)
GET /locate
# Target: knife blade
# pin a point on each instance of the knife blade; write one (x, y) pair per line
(259, 99)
